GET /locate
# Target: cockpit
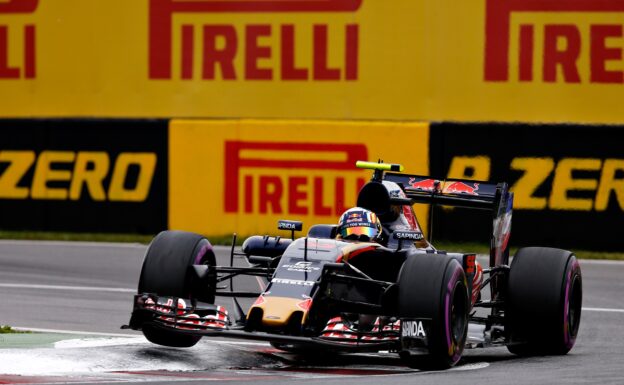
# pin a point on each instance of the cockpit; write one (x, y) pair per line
(394, 209)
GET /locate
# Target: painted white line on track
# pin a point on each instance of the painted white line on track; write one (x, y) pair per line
(135, 334)
(73, 288)
(77, 332)
(241, 343)
(222, 248)
(132, 245)
(70, 243)
(603, 309)
(601, 262)
(475, 366)
(100, 342)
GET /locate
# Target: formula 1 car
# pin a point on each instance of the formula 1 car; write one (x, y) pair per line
(404, 295)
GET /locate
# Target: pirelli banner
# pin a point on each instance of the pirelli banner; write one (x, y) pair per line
(217, 177)
(555, 61)
(568, 181)
(243, 175)
(83, 175)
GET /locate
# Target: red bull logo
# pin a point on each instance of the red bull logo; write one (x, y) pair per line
(223, 42)
(424, 184)
(271, 192)
(461, 188)
(430, 185)
(12, 36)
(563, 46)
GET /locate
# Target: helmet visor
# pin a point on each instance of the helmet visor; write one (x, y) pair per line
(358, 231)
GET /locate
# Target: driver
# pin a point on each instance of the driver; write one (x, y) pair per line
(358, 224)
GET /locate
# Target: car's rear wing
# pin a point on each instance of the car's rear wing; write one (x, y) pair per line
(450, 192)
(469, 194)
(494, 197)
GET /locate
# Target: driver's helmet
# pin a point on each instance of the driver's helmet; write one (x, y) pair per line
(359, 224)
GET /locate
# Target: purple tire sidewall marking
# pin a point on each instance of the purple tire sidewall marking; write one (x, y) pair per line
(568, 339)
(202, 252)
(447, 315)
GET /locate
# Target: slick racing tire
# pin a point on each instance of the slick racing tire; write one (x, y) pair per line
(544, 299)
(434, 286)
(167, 271)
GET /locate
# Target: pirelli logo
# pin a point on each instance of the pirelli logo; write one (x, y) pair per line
(585, 49)
(291, 178)
(17, 39)
(250, 174)
(222, 42)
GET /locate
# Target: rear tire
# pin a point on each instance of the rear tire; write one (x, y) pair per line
(544, 301)
(434, 286)
(167, 271)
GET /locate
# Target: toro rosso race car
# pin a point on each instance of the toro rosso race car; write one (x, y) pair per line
(392, 292)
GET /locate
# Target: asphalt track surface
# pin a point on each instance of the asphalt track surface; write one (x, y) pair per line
(87, 288)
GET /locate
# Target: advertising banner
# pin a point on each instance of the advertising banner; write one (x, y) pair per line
(568, 181)
(483, 60)
(83, 175)
(243, 176)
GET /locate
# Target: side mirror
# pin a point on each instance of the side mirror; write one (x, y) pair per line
(406, 235)
(292, 226)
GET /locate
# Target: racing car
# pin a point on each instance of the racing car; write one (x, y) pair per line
(397, 293)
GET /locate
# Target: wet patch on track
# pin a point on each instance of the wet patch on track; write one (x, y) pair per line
(133, 359)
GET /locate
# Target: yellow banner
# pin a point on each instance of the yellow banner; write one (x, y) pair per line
(482, 60)
(243, 176)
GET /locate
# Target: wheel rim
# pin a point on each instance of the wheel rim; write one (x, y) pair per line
(458, 311)
(197, 290)
(573, 316)
(456, 322)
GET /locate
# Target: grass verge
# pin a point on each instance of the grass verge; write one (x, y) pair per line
(6, 329)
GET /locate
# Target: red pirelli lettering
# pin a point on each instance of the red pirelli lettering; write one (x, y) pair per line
(304, 193)
(28, 68)
(296, 195)
(29, 52)
(351, 54)
(256, 51)
(289, 70)
(271, 189)
(497, 36)
(565, 58)
(18, 6)
(526, 53)
(161, 20)
(321, 69)
(600, 54)
(6, 72)
(187, 51)
(223, 57)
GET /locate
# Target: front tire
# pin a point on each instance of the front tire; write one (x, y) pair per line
(434, 286)
(544, 301)
(167, 271)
